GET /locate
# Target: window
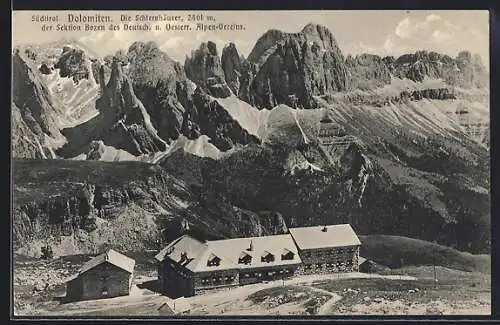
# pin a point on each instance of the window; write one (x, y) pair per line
(213, 260)
(244, 258)
(287, 255)
(307, 266)
(104, 286)
(104, 289)
(267, 257)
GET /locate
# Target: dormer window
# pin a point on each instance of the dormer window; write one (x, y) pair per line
(267, 257)
(244, 258)
(287, 255)
(213, 260)
(184, 258)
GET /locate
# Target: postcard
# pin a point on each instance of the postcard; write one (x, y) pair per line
(266, 163)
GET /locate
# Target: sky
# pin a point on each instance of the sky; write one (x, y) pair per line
(390, 32)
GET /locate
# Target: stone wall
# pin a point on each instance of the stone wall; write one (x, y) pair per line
(74, 289)
(329, 260)
(105, 281)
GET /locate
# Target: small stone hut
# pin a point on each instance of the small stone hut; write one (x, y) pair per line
(107, 275)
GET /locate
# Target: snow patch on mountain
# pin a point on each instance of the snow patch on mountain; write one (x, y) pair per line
(102, 152)
(305, 165)
(250, 118)
(78, 100)
(200, 147)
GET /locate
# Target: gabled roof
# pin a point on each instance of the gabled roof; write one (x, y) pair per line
(334, 236)
(265, 253)
(184, 244)
(213, 256)
(229, 251)
(232, 249)
(244, 254)
(111, 256)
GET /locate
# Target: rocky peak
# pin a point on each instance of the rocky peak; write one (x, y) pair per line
(321, 35)
(295, 67)
(232, 66)
(462, 71)
(148, 64)
(205, 69)
(264, 43)
(73, 64)
(367, 71)
(131, 127)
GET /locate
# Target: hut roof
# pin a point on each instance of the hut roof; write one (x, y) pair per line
(230, 251)
(110, 256)
(334, 236)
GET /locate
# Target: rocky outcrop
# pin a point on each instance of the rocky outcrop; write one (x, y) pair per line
(35, 116)
(265, 45)
(89, 204)
(207, 116)
(367, 71)
(404, 96)
(31, 96)
(72, 63)
(232, 65)
(239, 73)
(44, 69)
(205, 69)
(132, 129)
(25, 143)
(132, 206)
(123, 122)
(161, 85)
(248, 73)
(295, 67)
(464, 71)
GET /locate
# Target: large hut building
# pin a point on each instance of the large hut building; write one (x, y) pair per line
(327, 249)
(188, 267)
(107, 275)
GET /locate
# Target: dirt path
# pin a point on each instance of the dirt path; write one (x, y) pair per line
(330, 302)
(214, 302)
(239, 294)
(84, 307)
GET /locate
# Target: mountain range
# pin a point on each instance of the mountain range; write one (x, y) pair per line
(133, 149)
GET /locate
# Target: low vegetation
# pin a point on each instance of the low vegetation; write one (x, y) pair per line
(308, 299)
(397, 251)
(454, 292)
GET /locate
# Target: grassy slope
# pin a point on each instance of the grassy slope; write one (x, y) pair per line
(396, 251)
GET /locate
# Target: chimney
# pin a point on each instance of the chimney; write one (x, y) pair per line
(325, 229)
(251, 246)
(183, 257)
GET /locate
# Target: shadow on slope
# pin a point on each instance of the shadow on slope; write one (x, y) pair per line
(397, 252)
